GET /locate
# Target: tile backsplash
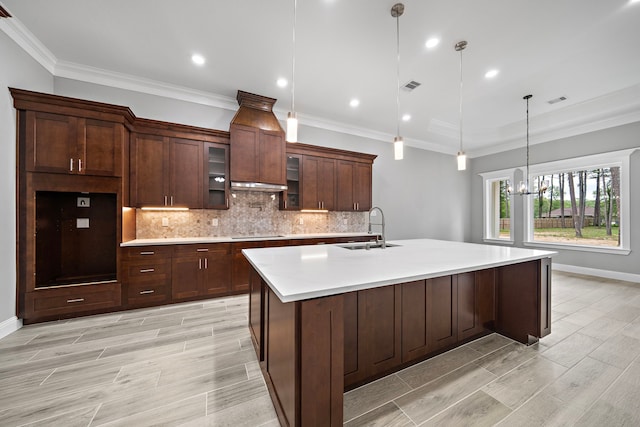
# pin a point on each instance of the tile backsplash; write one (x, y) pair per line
(249, 214)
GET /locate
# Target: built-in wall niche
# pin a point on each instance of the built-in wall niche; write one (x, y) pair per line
(76, 238)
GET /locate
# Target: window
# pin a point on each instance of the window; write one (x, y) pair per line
(585, 203)
(498, 206)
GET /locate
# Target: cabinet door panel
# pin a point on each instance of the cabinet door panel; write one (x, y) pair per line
(103, 143)
(379, 328)
(485, 281)
(244, 153)
(185, 173)
(148, 184)
(52, 143)
(362, 186)
(345, 185)
(185, 272)
(350, 334)
(415, 342)
(327, 180)
(442, 307)
(310, 182)
(217, 272)
(467, 306)
(272, 157)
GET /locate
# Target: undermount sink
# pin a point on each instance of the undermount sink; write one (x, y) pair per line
(367, 246)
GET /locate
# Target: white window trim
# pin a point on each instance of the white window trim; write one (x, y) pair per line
(487, 179)
(615, 158)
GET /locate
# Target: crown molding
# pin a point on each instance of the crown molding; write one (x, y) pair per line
(28, 42)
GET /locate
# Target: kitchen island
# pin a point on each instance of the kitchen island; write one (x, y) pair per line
(328, 318)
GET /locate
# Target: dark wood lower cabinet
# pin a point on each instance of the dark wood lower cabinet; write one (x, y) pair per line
(201, 270)
(313, 350)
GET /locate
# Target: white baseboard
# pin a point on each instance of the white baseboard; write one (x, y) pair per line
(608, 274)
(9, 326)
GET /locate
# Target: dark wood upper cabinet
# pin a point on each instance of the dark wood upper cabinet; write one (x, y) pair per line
(318, 183)
(353, 186)
(149, 155)
(73, 145)
(333, 179)
(166, 171)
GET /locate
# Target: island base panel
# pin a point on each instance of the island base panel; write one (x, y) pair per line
(304, 359)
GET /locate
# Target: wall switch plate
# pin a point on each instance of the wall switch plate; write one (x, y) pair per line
(345, 221)
(82, 222)
(165, 221)
(300, 221)
(214, 222)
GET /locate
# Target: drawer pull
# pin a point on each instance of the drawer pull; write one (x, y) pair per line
(150, 291)
(202, 250)
(75, 300)
(147, 253)
(147, 270)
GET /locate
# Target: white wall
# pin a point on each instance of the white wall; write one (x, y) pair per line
(617, 138)
(423, 195)
(18, 70)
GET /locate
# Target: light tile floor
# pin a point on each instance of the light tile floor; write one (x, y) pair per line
(193, 365)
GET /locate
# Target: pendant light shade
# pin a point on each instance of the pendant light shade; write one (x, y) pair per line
(292, 117)
(398, 144)
(462, 157)
(398, 148)
(292, 127)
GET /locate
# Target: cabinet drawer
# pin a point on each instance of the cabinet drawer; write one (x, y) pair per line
(208, 248)
(146, 253)
(147, 293)
(72, 299)
(143, 271)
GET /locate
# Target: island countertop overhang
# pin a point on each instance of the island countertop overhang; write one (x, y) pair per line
(304, 272)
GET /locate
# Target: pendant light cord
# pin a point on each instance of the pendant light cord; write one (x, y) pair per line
(398, 75)
(293, 58)
(461, 99)
(527, 98)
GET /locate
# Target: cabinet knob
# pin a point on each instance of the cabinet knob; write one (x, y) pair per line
(79, 165)
(150, 291)
(70, 165)
(75, 300)
(147, 270)
(147, 253)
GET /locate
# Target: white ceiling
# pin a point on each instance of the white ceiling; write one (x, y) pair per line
(584, 50)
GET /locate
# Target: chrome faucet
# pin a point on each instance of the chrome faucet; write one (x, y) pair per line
(381, 224)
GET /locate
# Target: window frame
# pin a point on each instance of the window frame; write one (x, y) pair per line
(488, 178)
(615, 158)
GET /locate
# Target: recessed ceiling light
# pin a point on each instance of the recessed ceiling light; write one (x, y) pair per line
(406, 117)
(282, 82)
(354, 102)
(432, 42)
(491, 73)
(197, 59)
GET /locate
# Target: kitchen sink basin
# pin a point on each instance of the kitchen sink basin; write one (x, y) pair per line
(367, 246)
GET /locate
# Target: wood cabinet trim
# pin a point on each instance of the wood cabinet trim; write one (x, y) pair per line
(332, 153)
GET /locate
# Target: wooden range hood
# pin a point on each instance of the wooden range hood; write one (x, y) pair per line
(258, 148)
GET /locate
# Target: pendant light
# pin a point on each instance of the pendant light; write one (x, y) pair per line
(398, 144)
(523, 186)
(462, 157)
(292, 117)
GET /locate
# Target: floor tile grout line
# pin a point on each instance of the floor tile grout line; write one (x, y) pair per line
(48, 376)
(93, 417)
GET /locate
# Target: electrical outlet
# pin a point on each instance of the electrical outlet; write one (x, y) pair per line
(345, 221)
(165, 221)
(214, 222)
(300, 221)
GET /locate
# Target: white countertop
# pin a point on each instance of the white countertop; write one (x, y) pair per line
(302, 272)
(227, 239)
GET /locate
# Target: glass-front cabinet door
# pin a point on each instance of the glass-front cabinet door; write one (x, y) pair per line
(290, 198)
(216, 175)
